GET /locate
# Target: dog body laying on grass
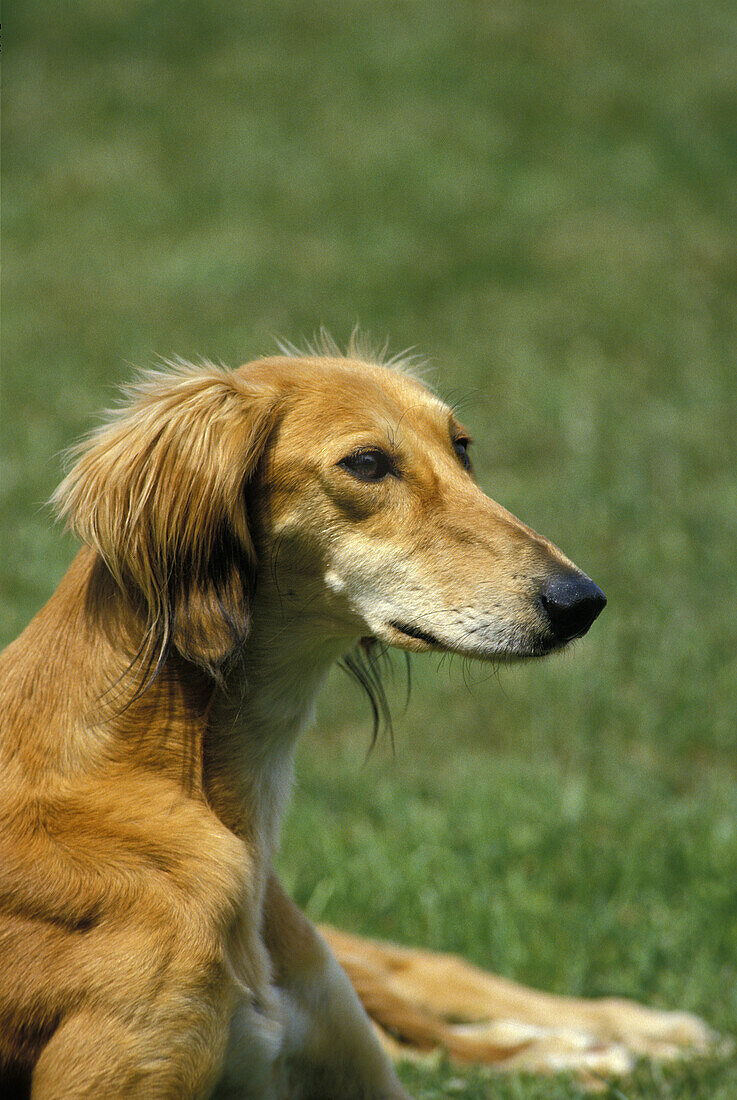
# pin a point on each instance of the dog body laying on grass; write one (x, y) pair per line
(242, 531)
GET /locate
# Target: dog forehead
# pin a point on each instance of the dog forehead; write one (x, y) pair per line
(344, 396)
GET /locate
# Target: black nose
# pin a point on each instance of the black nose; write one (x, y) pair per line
(572, 601)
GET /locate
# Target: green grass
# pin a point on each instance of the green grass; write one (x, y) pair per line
(541, 196)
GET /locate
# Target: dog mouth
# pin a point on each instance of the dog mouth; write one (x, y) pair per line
(416, 633)
(538, 645)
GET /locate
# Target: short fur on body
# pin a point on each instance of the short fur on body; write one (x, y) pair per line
(237, 541)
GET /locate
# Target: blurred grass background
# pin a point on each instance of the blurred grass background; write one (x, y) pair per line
(542, 197)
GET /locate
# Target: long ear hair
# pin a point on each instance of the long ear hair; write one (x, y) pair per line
(159, 493)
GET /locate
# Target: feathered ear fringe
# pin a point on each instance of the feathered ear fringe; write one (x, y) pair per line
(159, 492)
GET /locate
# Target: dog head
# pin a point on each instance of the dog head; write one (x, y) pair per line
(371, 514)
(343, 485)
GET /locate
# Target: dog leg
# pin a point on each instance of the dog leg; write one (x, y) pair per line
(428, 1000)
(159, 1055)
(330, 1050)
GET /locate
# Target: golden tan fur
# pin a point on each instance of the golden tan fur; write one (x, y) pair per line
(150, 710)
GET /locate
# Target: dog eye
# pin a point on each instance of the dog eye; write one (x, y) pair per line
(460, 446)
(368, 465)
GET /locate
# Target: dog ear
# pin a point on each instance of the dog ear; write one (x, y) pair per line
(159, 492)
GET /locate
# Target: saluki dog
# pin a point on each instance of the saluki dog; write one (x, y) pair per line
(241, 531)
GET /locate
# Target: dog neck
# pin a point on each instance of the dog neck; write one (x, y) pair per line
(257, 717)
